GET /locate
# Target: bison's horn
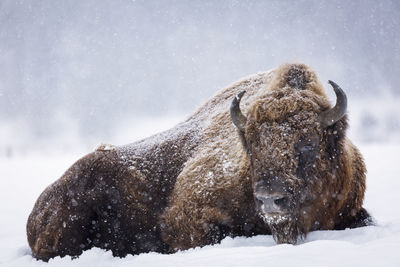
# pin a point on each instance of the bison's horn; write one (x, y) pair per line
(329, 117)
(236, 114)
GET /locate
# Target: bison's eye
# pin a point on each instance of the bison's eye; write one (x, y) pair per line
(307, 153)
(306, 149)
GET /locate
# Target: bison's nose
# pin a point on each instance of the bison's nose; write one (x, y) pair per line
(273, 203)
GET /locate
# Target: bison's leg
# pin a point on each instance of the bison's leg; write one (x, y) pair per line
(362, 218)
(185, 227)
(359, 219)
(207, 205)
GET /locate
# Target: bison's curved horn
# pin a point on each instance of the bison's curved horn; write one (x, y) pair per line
(236, 114)
(329, 117)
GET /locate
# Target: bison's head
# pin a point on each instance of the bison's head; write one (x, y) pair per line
(294, 140)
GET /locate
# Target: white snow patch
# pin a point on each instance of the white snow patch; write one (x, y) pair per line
(104, 147)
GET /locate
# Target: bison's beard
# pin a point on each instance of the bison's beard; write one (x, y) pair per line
(284, 228)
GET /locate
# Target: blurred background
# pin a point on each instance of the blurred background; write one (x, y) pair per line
(76, 73)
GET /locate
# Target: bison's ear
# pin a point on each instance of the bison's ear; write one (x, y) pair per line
(331, 116)
(238, 119)
(335, 135)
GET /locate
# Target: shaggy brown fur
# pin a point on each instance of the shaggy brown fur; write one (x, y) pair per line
(194, 185)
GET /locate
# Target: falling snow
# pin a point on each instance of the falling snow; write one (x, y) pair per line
(77, 73)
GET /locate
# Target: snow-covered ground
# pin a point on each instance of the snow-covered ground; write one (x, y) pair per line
(24, 178)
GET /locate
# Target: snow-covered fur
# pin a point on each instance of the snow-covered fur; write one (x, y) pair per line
(194, 184)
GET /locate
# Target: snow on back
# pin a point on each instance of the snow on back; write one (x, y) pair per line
(209, 125)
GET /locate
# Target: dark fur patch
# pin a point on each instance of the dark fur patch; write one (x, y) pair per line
(297, 77)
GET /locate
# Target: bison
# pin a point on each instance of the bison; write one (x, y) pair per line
(280, 164)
